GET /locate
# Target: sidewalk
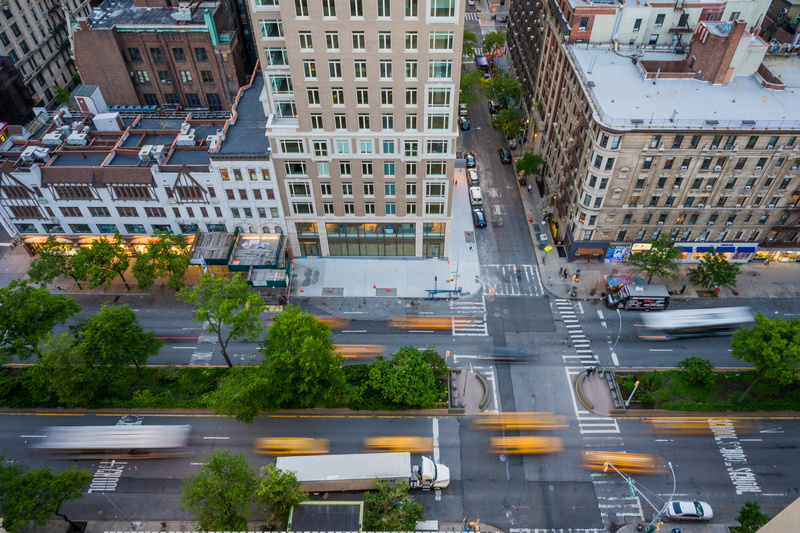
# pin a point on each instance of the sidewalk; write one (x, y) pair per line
(776, 280)
(360, 277)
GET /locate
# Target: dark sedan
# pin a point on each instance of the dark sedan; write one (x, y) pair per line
(464, 123)
(470, 157)
(478, 218)
(505, 155)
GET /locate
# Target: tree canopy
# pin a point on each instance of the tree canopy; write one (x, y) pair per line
(503, 88)
(750, 518)
(470, 86)
(106, 260)
(469, 43)
(219, 494)
(230, 306)
(509, 123)
(54, 261)
(491, 42)
(715, 270)
(663, 260)
(166, 257)
(409, 378)
(529, 163)
(27, 315)
(391, 508)
(772, 346)
(31, 495)
(279, 491)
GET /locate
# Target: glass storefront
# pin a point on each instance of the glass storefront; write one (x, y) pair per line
(371, 239)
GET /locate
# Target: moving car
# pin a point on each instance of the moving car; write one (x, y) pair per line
(478, 218)
(518, 421)
(503, 19)
(505, 155)
(462, 110)
(472, 177)
(470, 157)
(398, 444)
(689, 510)
(525, 444)
(291, 446)
(630, 463)
(464, 123)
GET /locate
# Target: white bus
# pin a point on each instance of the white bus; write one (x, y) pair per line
(695, 322)
(129, 442)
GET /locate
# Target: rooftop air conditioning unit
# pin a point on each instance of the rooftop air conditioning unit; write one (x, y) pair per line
(157, 154)
(759, 168)
(770, 146)
(738, 205)
(53, 139)
(660, 223)
(145, 153)
(582, 28)
(77, 139)
(684, 167)
(794, 167)
(718, 167)
(771, 205)
(27, 153)
(748, 187)
(676, 186)
(185, 140)
(709, 187)
(729, 223)
(710, 222)
(701, 205)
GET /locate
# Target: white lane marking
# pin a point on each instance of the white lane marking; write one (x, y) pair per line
(742, 476)
(344, 313)
(751, 440)
(216, 438)
(32, 436)
(354, 331)
(425, 313)
(667, 350)
(184, 347)
(781, 495)
(436, 457)
(600, 314)
(614, 359)
(197, 464)
(420, 331)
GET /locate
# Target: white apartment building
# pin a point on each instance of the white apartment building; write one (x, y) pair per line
(361, 98)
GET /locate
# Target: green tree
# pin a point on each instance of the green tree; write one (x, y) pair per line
(529, 163)
(503, 88)
(166, 257)
(469, 43)
(29, 495)
(772, 347)
(242, 393)
(391, 508)
(405, 380)
(697, 371)
(715, 271)
(491, 42)
(114, 337)
(231, 308)
(56, 262)
(61, 94)
(279, 491)
(750, 518)
(662, 261)
(508, 122)
(107, 260)
(27, 315)
(220, 493)
(470, 86)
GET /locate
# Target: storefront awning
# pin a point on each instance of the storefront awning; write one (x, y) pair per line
(702, 249)
(687, 249)
(590, 251)
(746, 250)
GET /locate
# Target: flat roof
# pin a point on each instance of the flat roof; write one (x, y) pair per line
(248, 135)
(313, 516)
(123, 13)
(626, 100)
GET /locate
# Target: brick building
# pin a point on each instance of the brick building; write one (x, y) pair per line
(15, 101)
(147, 52)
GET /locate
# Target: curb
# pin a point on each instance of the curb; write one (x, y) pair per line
(319, 411)
(487, 393)
(579, 391)
(664, 413)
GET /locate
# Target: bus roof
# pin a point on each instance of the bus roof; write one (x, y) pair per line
(698, 317)
(111, 437)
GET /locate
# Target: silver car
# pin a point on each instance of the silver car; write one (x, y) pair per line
(689, 510)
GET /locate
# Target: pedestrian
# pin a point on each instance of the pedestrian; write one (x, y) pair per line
(550, 281)
(588, 372)
(561, 271)
(530, 189)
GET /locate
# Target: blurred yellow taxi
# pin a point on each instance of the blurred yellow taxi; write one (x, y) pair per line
(398, 444)
(630, 463)
(424, 322)
(360, 351)
(519, 421)
(291, 446)
(520, 445)
(335, 322)
(696, 426)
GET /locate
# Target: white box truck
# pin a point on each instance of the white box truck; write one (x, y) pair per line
(359, 471)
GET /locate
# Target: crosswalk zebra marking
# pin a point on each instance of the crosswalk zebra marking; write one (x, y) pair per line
(471, 321)
(589, 422)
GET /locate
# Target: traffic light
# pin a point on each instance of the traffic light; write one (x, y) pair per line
(494, 9)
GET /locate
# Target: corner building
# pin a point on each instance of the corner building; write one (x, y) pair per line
(361, 98)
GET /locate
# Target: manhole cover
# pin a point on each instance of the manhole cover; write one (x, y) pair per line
(497, 315)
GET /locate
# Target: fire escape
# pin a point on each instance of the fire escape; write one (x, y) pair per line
(788, 231)
(573, 163)
(682, 28)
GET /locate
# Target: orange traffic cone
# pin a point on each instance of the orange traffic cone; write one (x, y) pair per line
(388, 290)
(330, 291)
(374, 287)
(530, 219)
(301, 290)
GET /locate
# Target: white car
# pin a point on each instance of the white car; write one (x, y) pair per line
(471, 2)
(689, 510)
(472, 176)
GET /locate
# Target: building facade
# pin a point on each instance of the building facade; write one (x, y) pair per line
(15, 100)
(361, 100)
(35, 37)
(191, 57)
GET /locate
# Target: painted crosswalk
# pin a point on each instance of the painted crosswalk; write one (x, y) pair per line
(559, 530)
(470, 16)
(511, 280)
(588, 422)
(614, 499)
(584, 355)
(469, 318)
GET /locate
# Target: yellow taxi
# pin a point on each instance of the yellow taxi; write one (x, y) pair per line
(629, 463)
(398, 444)
(335, 322)
(422, 322)
(519, 421)
(697, 426)
(291, 446)
(360, 351)
(524, 445)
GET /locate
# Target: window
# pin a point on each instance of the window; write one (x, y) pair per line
(202, 55)
(276, 57)
(669, 162)
(344, 168)
(751, 142)
(411, 69)
(340, 121)
(609, 163)
(441, 40)
(360, 67)
(359, 41)
(332, 40)
(171, 98)
(436, 146)
(322, 169)
(15, 29)
(779, 162)
(99, 211)
(695, 141)
(305, 40)
(388, 147)
(436, 168)
(615, 143)
(291, 146)
(365, 146)
(363, 121)
(706, 163)
(388, 188)
(411, 9)
(411, 170)
(772, 142)
(598, 161)
(661, 183)
(208, 77)
(320, 148)
(385, 40)
(342, 147)
(347, 189)
(390, 208)
(164, 76)
(386, 97)
(653, 39)
(186, 76)
(689, 201)
(301, 8)
(158, 57)
(310, 69)
(784, 184)
(411, 190)
(411, 41)
(637, 24)
(327, 208)
(587, 200)
(654, 141)
(411, 121)
(143, 76)
(178, 54)
(387, 121)
(677, 141)
(356, 9)
(295, 168)
(439, 97)
(411, 97)
(384, 9)
(329, 8)
(362, 96)
(440, 68)
(438, 121)
(443, 8)
(761, 162)
(386, 69)
(270, 29)
(335, 68)
(337, 95)
(603, 183)
(648, 162)
(411, 209)
(388, 169)
(411, 148)
(349, 208)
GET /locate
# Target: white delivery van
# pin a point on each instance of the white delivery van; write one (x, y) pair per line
(475, 196)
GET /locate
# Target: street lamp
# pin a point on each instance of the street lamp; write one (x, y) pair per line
(632, 486)
(628, 401)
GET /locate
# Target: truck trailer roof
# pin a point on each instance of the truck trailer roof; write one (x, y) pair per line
(350, 466)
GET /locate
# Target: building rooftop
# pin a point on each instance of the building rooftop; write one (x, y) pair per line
(624, 99)
(123, 13)
(248, 134)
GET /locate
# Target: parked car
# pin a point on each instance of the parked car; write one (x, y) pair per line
(494, 106)
(471, 2)
(478, 218)
(470, 157)
(472, 177)
(505, 155)
(464, 123)
(512, 143)
(689, 510)
(462, 110)
(475, 196)
(481, 62)
(503, 19)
